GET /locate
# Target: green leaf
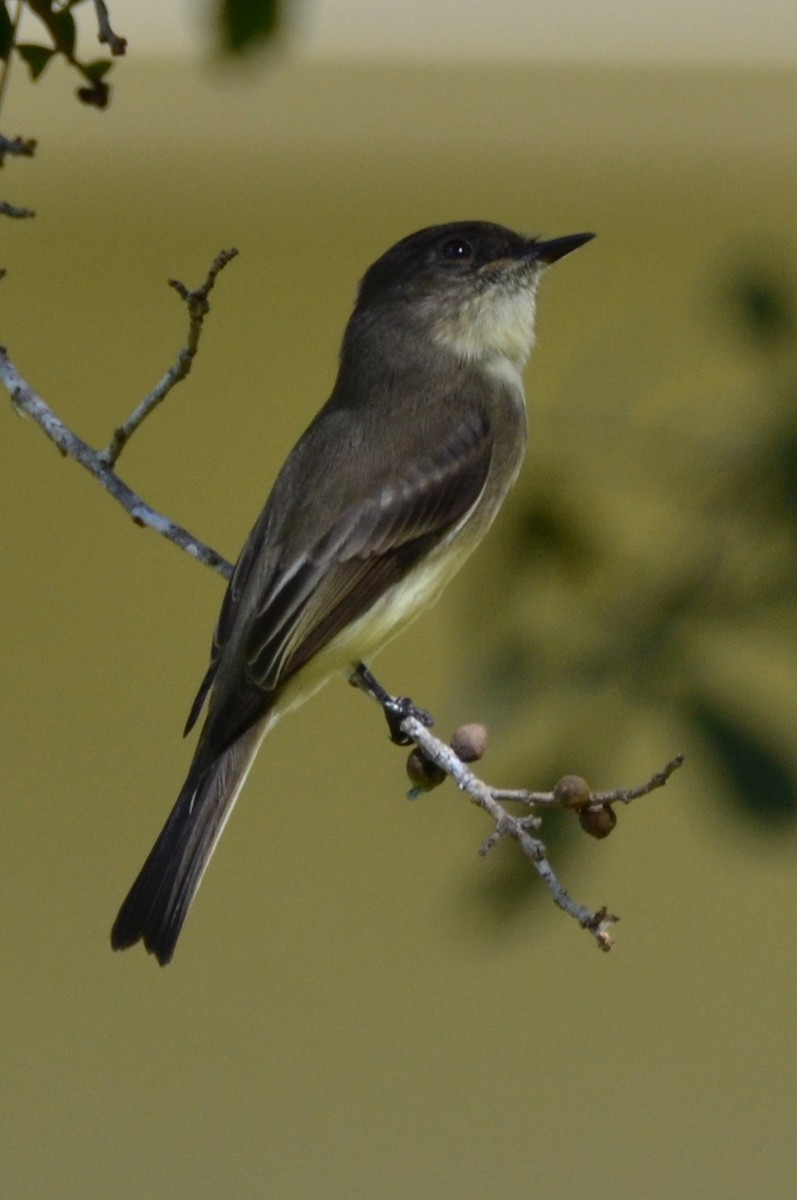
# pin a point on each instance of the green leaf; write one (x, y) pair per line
(761, 783)
(763, 307)
(64, 31)
(245, 23)
(97, 95)
(543, 529)
(95, 70)
(36, 57)
(6, 32)
(774, 482)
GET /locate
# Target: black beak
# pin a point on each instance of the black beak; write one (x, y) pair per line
(551, 252)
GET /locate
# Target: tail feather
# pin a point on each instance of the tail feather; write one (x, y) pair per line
(158, 902)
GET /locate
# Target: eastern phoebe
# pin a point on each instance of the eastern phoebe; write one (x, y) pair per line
(382, 499)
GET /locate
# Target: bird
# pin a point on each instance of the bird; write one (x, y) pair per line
(390, 488)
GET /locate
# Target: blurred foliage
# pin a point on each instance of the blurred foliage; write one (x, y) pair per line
(61, 32)
(246, 24)
(663, 632)
(762, 309)
(761, 783)
(243, 25)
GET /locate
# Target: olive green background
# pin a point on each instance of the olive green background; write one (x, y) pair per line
(347, 1015)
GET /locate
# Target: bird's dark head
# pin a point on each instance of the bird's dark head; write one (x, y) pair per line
(470, 284)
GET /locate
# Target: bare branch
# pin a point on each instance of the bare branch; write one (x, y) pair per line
(21, 146)
(626, 795)
(13, 210)
(28, 403)
(596, 799)
(106, 36)
(432, 760)
(25, 147)
(100, 463)
(597, 923)
(198, 307)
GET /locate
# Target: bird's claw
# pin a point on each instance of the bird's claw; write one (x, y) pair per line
(397, 709)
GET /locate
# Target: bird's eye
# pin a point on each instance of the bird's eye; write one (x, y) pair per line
(457, 248)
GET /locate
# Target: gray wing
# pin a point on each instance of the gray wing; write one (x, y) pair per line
(229, 610)
(305, 602)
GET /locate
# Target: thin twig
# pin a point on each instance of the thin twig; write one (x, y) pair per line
(198, 308)
(100, 463)
(13, 210)
(28, 403)
(409, 724)
(618, 796)
(626, 795)
(597, 923)
(24, 147)
(106, 36)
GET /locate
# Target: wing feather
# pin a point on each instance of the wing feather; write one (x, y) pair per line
(305, 603)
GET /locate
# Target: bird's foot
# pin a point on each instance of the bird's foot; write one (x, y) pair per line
(396, 708)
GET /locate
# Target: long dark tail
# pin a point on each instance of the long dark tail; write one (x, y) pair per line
(159, 900)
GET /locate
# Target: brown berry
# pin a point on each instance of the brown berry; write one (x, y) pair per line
(571, 791)
(598, 822)
(469, 742)
(423, 773)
